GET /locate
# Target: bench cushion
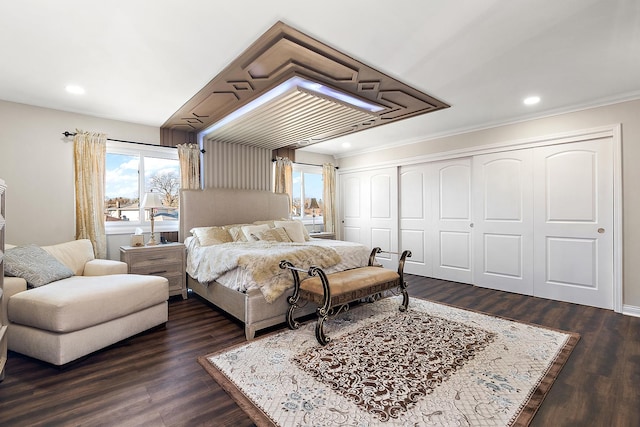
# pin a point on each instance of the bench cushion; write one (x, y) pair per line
(80, 302)
(350, 285)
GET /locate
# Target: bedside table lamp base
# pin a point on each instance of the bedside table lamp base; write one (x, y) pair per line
(152, 239)
(152, 201)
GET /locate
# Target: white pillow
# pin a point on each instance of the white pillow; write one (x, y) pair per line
(248, 230)
(295, 230)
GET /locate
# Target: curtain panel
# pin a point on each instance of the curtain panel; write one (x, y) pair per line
(329, 197)
(283, 182)
(89, 154)
(189, 157)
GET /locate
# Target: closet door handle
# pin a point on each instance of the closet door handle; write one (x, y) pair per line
(601, 230)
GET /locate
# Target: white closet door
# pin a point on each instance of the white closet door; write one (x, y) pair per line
(451, 207)
(503, 221)
(415, 218)
(574, 223)
(369, 206)
(435, 219)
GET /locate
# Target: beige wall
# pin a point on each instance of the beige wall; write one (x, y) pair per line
(626, 113)
(36, 161)
(314, 158)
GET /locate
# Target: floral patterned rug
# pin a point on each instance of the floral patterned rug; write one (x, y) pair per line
(433, 365)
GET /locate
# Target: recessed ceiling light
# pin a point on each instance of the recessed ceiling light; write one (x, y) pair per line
(346, 145)
(74, 89)
(531, 100)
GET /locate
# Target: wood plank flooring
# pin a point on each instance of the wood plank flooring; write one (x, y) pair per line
(154, 379)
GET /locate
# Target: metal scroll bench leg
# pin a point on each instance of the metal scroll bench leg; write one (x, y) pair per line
(334, 292)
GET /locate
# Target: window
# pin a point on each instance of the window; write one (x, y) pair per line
(125, 164)
(307, 188)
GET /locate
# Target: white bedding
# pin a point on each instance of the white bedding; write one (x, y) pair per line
(230, 272)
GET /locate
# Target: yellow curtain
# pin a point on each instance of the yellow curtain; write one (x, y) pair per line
(189, 156)
(329, 197)
(89, 155)
(284, 178)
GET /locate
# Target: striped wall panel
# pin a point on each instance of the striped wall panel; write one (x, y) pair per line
(236, 166)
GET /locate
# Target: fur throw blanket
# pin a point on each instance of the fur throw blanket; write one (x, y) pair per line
(261, 261)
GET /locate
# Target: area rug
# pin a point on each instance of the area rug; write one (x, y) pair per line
(433, 365)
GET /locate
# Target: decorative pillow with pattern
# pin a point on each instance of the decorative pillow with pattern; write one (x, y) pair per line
(236, 234)
(249, 230)
(277, 234)
(208, 236)
(35, 265)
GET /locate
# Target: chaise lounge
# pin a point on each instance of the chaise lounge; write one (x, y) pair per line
(96, 306)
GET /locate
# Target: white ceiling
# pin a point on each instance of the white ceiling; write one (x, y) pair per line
(141, 60)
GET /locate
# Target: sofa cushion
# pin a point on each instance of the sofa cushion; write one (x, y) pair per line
(79, 302)
(35, 265)
(74, 254)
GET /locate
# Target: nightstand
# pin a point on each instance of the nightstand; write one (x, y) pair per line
(166, 260)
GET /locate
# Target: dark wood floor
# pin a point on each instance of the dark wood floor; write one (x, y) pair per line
(154, 379)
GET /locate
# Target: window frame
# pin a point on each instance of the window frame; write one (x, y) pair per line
(142, 151)
(297, 167)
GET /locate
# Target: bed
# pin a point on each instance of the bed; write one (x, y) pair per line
(222, 207)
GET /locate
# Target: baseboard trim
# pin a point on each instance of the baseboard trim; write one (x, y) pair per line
(631, 310)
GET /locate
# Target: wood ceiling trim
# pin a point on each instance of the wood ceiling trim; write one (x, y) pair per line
(283, 52)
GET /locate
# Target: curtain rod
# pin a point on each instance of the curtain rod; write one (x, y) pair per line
(305, 164)
(67, 134)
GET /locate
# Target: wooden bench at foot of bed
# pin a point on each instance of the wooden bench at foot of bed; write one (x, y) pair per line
(333, 292)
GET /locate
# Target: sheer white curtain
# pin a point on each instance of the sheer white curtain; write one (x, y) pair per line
(329, 197)
(189, 157)
(89, 155)
(284, 178)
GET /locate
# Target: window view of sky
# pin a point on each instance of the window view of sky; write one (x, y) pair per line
(121, 183)
(122, 173)
(121, 176)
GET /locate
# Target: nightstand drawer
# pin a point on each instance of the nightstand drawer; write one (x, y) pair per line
(157, 269)
(143, 260)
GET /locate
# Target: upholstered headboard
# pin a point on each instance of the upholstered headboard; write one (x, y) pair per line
(223, 206)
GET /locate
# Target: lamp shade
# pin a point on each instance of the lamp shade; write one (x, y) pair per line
(152, 200)
(314, 204)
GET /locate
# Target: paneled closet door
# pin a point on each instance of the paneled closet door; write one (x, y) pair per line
(503, 221)
(369, 210)
(435, 219)
(574, 222)
(451, 208)
(416, 218)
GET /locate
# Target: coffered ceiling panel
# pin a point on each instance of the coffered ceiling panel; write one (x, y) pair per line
(295, 118)
(301, 117)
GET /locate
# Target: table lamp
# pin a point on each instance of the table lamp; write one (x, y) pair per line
(152, 201)
(313, 205)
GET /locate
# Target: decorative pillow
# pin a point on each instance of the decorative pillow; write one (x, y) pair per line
(208, 236)
(295, 230)
(277, 234)
(35, 265)
(269, 222)
(249, 230)
(236, 234)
